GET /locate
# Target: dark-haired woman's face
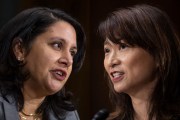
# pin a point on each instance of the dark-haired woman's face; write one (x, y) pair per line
(130, 68)
(50, 59)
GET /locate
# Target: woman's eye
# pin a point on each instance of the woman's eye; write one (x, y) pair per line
(106, 50)
(123, 46)
(73, 53)
(57, 45)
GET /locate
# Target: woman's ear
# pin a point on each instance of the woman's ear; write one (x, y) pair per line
(18, 49)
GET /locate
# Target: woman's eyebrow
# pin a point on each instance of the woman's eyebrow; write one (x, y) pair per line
(107, 42)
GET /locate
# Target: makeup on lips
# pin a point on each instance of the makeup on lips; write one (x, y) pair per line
(59, 74)
(116, 76)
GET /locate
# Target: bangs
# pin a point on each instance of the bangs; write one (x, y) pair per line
(110, 30)
(116, 29)
(124, 25)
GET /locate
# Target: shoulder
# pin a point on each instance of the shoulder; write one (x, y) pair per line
(8, 99)
(72, 115)
(1, 99)
(8, 105)
(2, 112)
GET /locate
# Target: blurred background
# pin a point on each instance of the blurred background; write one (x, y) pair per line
(89, 85)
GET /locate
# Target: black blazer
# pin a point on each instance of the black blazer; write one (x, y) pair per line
(9, 110)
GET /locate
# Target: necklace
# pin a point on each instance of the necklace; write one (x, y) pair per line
(32, 115)
(25, 116)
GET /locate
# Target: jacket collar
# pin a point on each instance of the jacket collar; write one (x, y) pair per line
(10, 108)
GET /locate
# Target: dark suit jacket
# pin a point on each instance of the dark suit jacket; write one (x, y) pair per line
(9, 111)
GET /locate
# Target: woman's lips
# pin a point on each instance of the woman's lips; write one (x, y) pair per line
(117, 76)
(58, 74)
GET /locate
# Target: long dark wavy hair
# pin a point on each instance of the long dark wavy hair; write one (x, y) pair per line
(27, 25)
(149, 28)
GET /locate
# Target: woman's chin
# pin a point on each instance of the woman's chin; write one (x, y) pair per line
(118, 89)
(53, 89)
(55, 86)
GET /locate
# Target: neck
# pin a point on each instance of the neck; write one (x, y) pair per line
(31, 102)
(140, 108)
(141, 100)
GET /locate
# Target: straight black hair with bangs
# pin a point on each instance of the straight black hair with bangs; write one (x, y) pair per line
(151, 29)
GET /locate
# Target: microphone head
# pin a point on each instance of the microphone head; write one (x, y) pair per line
(101, 114)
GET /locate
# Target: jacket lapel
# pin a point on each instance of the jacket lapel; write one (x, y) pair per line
(10, 109)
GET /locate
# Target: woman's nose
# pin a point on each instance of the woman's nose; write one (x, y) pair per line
(114, 60)
(66, 59)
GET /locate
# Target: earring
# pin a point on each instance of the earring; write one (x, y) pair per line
(19, 58)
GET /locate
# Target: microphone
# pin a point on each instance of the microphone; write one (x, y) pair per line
(101, 115)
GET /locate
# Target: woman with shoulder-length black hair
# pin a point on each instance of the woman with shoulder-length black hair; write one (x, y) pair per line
(39, 48)
(142, 61)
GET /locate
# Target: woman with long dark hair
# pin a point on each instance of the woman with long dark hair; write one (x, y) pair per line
(39, 48)
(142, 61)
